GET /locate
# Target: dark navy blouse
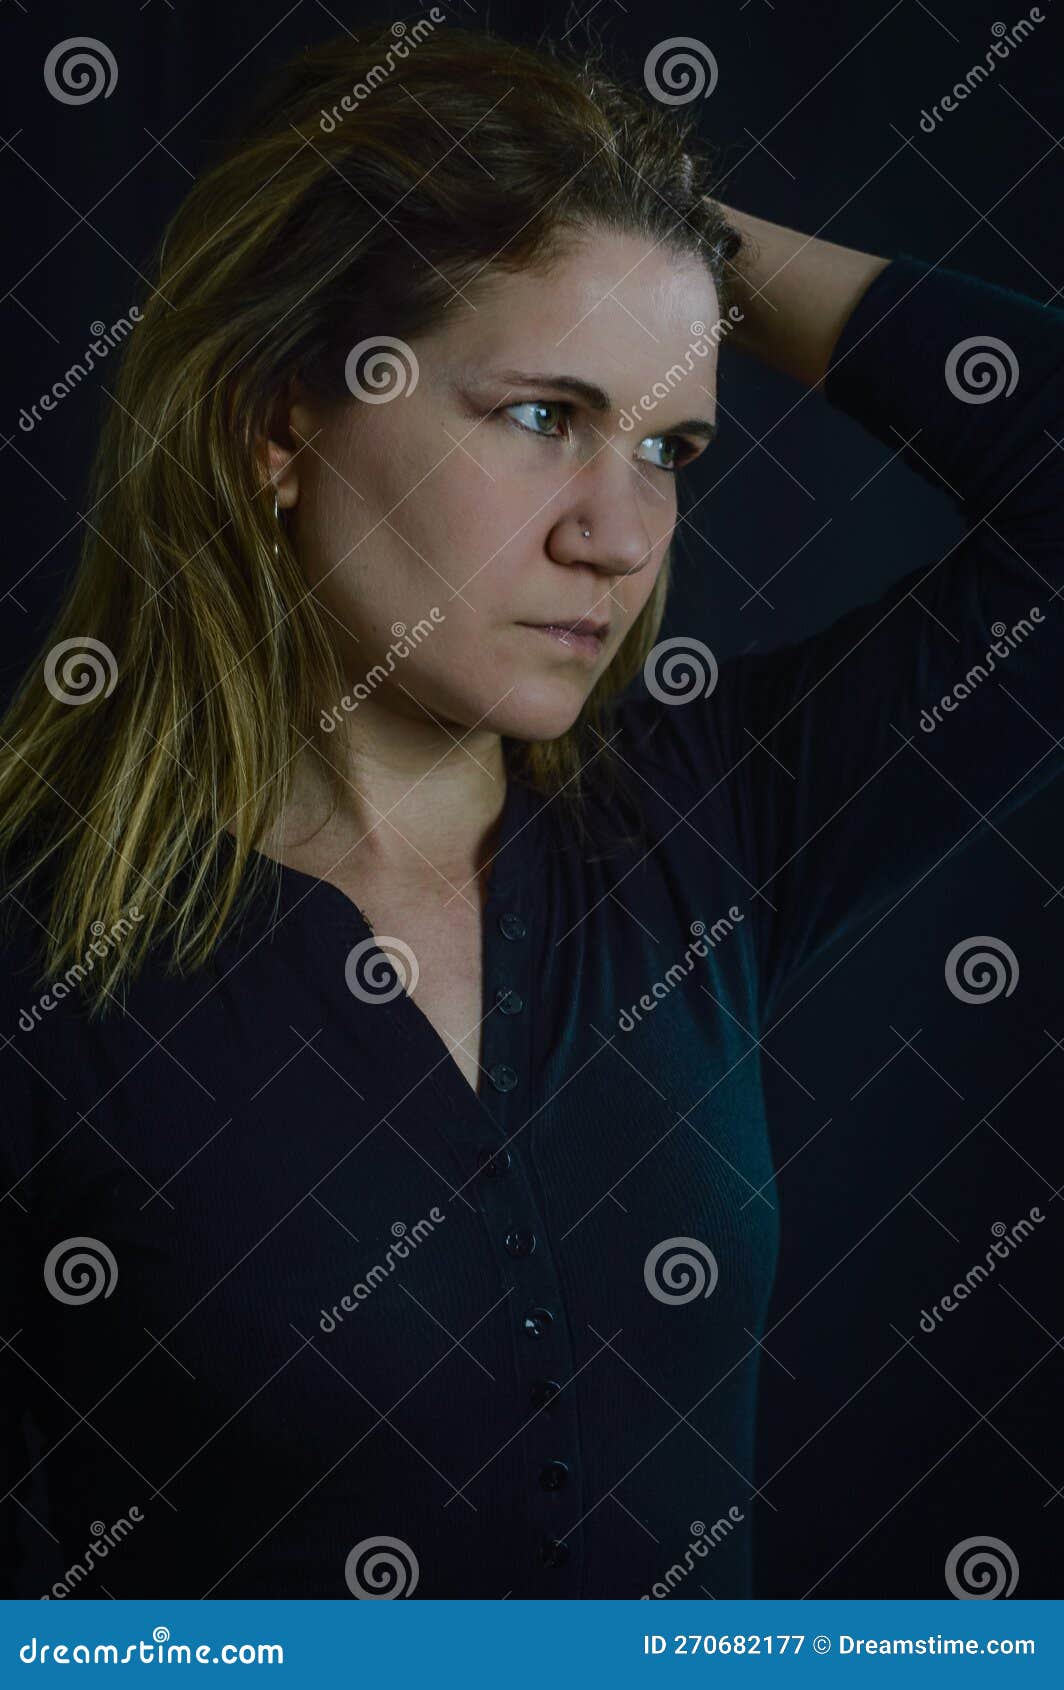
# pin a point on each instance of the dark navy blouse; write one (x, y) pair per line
(284, 1295)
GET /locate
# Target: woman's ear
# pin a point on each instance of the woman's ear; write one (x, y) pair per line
(278, 453)
(280, 468)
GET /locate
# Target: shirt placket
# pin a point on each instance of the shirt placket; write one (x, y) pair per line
(544, 1386)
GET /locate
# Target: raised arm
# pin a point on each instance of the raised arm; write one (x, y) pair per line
(796, 292)
(857, 762)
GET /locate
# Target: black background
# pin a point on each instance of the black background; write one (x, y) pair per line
(905, 1122)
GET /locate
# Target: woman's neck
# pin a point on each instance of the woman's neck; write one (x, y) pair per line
(411, 814)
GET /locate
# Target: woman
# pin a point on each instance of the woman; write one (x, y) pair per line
(389, 1203)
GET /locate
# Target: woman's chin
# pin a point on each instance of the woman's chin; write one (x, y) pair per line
(507, 701)
(537, 709)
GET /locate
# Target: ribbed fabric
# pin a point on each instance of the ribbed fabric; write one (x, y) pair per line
(247, 1144)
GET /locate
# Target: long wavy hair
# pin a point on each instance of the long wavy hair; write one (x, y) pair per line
(187, 664)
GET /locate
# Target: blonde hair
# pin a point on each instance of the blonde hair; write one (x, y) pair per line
(186, 666)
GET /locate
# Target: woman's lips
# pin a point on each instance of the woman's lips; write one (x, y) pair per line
(572, 637)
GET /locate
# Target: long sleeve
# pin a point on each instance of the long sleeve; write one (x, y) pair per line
(859, 761)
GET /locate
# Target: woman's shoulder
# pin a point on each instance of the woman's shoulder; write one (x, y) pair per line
(52, 1015)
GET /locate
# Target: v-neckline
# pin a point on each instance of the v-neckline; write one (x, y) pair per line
(295, 886)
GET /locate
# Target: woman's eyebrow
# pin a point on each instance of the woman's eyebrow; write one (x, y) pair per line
(595, 398)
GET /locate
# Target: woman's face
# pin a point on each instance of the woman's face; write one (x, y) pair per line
(459, 507)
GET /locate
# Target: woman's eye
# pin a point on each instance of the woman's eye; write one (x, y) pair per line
(536, 405)
(672, 445)
(669, 443)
